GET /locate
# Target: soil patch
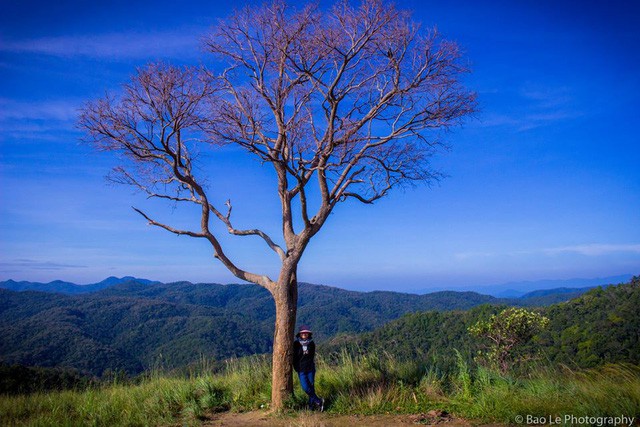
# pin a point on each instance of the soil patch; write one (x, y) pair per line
(316, 419)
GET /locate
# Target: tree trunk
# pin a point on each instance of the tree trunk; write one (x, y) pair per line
(286, 299)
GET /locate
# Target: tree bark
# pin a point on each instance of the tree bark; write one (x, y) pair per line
(285, 295)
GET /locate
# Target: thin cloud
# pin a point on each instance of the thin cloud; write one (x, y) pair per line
(110, 46)
(595, 249)
(538, 106)
(41, 120)
(546, 97)
(529, 121)
(592, 249)
(463, 256)
(60, 110)
(30, 264)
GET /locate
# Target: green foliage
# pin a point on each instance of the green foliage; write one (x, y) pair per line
(160, 401)
(249, 382)
(599, 327)
(596, 328)
(507, 332)
(432, 337)
(22, 379)
(463, 380)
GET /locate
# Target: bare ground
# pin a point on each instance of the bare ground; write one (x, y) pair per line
(315, 419)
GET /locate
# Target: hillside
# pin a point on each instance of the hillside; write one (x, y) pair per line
(404, 372)
(601, 326)
(330, 310)
(97, 334)
(134, 326)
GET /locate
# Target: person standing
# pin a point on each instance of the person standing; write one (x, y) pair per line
(304, 350)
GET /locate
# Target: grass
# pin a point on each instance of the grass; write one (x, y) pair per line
(612, 390)
(154, 402)
(368, 384)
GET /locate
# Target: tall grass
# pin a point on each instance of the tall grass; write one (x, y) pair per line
(249, 381)
(608, 391)
(373, 383)
(154, 402)
(365, 384)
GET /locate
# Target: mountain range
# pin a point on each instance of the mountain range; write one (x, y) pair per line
(522, 288)
(59, 286)
(132, 325)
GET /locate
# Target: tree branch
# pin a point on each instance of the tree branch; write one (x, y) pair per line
(168, 228)
(226, 219)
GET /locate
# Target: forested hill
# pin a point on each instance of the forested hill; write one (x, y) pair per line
(94, 333)
(330, 310)
(133, 326)
(597, 327)
(137, 324)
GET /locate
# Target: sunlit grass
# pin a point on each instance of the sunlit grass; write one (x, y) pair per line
(608, 391)
(367, 384)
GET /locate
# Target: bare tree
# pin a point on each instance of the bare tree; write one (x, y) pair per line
(352, 100)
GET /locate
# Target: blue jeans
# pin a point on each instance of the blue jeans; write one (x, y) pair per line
(307, 384)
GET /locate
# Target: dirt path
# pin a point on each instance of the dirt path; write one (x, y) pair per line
(314, 419)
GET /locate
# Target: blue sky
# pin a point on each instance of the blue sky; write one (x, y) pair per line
(543, 184)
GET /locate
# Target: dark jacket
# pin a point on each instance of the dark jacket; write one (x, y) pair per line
(303, 362)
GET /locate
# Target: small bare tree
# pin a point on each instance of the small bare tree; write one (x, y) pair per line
(351, 100)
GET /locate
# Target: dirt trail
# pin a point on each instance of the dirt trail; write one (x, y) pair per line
(314, 419)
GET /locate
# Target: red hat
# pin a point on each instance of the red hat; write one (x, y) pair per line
(304, 328)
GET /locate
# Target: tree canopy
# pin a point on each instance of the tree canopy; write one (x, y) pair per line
(350, 100)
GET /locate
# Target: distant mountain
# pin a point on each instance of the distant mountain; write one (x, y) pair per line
(545, 297)
(542, 292)
(545, 292)
(519, 289)
(68, 288)
(112, 281)
(507, 293)
(55, 286)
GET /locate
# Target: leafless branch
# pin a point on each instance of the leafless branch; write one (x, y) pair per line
(353, 89)
(226, 219)
(169, 228)
(352, 100)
